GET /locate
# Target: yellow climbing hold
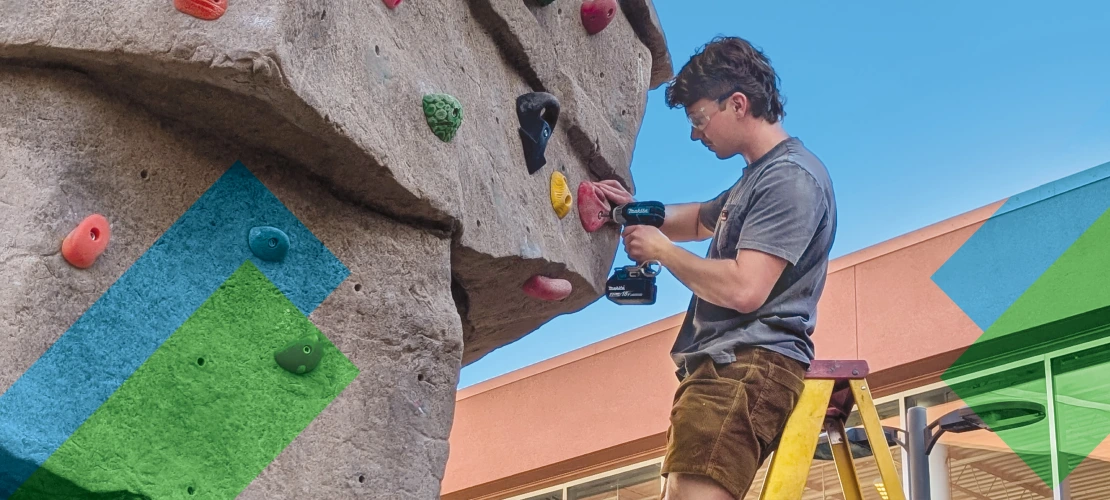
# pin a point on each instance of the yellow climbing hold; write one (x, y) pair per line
(560, 194)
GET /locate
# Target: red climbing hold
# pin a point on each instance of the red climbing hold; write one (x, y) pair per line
(544, 288)
(596, 14)
(209, 10)
(392, 4)
(592, 203)
(87, 241)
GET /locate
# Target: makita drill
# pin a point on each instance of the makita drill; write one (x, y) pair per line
(635, 284)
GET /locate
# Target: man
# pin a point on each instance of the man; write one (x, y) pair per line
(744, 347)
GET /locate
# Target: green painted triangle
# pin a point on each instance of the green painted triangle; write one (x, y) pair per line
(209, 410)
(1074, 285)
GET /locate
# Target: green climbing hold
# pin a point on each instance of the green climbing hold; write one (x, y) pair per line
(269, 243)
(444, 114)
(300, 356)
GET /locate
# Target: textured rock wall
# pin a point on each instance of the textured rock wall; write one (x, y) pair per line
(407, 253)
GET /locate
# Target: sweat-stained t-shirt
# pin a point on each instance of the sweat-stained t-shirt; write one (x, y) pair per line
(783, 204)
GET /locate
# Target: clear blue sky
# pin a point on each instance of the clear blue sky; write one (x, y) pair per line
(921, 112)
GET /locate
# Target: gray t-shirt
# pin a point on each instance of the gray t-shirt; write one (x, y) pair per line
(783, 204)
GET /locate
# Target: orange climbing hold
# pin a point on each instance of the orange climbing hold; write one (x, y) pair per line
(392, 4)
(209, 10)
(87, 241)
(597, 14)
(592, 206)
(544, 288)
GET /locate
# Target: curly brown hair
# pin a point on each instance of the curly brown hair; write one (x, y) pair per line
(726, 65)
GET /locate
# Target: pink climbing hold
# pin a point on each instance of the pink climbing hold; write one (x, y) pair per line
(392, 4)
(87, 241)
(596, 14)
(544, 288)
(209, 10)
(592, 204)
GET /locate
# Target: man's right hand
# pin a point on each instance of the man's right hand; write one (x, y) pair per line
(682, 220)
(615, 192)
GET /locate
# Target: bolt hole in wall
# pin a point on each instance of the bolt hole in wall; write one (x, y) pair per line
(362, 479)
(191, 490)
(420, 377)
(358, 287)
(200, 361)
(143, 174)
(377, 50)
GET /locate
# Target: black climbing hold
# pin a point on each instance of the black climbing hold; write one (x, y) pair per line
(538, 113)
(269, 243)
(300, 356)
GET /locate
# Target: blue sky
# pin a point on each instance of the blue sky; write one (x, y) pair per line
(920, 112)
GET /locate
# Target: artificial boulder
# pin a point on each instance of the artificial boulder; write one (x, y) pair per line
(270, 175)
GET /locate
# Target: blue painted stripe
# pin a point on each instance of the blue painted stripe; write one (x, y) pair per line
(1019, 242)
(145, 306)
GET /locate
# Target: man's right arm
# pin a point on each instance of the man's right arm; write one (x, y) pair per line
(683, 223)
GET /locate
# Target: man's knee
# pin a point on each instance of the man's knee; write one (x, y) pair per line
(694, 487)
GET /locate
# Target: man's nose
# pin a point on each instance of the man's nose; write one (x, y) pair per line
(695, 134)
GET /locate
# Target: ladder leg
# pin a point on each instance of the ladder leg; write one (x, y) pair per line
(789, 468)
(877, 438)
(842, 458)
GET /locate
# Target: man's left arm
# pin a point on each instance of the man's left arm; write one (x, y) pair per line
(787, 208)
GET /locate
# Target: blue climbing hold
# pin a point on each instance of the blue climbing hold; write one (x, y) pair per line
(269, 243)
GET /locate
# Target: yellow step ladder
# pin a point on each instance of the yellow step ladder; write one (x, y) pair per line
(832, 387)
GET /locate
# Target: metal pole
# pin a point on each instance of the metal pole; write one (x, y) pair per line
(940, 482)
(917, 420)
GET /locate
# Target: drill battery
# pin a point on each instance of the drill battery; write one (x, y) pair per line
(633, 285)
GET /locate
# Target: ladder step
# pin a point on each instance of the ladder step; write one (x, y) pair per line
(838, 369)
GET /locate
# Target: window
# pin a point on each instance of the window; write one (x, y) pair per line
(1081, 395)
(644, 483)
(553, 495)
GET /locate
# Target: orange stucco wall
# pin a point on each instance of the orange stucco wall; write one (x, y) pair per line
(569, 413)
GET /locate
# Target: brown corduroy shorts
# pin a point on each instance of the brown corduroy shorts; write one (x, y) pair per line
(727, 418)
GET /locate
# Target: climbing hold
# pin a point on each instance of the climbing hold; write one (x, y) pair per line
(560, 194)
(537, 112)
(544, 288)
(592, 204)
(269, 243)
(300, 356)
(209, 10)
(444, 114)
(392, 4)
(87, 241)
(596, 14)
(544, 3)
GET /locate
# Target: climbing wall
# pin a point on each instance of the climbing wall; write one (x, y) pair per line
(248, 245)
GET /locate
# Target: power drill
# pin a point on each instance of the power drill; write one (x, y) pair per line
(635, 284)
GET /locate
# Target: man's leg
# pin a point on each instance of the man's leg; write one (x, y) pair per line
(725, 421)
(694, 487)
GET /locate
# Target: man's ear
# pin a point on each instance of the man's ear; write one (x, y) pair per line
(739, 102)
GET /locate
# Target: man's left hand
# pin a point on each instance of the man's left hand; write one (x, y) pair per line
(644, 243)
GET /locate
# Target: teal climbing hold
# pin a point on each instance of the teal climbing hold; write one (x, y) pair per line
(300, 356)
(545, 3)
(269, 243)
(444, 114)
